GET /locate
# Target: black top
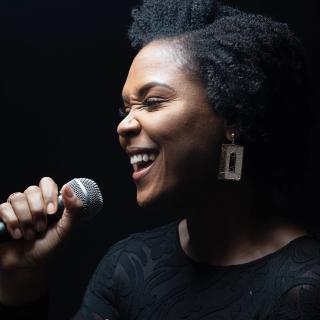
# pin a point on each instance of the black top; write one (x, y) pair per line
(149, 277)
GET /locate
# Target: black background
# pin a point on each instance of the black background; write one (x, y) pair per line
(63, 64)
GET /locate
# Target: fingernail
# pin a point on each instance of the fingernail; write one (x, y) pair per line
(69, 192)
(40, 226)
(17, 233)
(29, 234)
(50, 208)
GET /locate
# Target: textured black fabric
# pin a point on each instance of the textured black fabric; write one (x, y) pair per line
(37, 310)
(148, 276)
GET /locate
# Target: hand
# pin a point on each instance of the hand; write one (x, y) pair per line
(25, 215)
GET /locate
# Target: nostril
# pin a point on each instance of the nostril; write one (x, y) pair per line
(129, 133)
(129, 126)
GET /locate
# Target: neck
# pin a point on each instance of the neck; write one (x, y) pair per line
(231, 226)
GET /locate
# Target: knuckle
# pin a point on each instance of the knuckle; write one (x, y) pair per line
(32, 189)
(46, 180)
(4, 206)
(16, 196)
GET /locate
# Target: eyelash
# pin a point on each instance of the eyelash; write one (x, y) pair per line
(150, 103)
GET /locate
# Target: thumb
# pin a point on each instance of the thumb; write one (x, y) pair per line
(72, 207)
(70, 201)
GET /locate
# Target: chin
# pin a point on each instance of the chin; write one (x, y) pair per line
(162, 200)
(148, 201)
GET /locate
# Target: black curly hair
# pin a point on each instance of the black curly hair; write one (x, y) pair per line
(253, 68)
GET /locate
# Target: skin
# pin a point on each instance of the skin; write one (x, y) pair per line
(182, 126)
(23, 261)
(225, 224)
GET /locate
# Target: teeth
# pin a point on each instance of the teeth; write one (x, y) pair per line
(134, 160)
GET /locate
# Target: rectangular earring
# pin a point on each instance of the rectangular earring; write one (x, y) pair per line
(231, 159)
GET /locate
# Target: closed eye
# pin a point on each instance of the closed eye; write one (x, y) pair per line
(152, 102)
(149, 103)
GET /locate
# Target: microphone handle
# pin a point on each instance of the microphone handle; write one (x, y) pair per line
(51, 219)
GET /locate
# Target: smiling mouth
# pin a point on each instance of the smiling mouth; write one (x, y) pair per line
(142, 160)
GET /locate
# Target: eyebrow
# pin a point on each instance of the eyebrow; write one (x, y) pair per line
(146, 87)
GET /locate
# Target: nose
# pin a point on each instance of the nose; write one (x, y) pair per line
(129, 126)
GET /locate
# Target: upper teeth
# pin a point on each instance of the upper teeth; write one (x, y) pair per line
(142, 157)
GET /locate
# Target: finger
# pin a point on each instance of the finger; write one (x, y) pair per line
(70, 201)
(71, 214)
(21, 209)
(8, 216)
(50, 194)
(11, 195)
(37, 208)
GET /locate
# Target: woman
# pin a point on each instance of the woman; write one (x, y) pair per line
(207, 80)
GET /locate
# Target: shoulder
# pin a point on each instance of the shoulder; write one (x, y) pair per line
(128, 258)
(303, 257)
(299, 281)
(140, 246)
(298, 264)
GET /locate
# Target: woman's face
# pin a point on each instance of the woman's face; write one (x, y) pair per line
(170, 132)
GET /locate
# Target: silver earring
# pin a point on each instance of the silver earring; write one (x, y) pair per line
(231, 159)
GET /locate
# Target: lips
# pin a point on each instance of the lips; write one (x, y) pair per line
(142, 160)
(141, 172)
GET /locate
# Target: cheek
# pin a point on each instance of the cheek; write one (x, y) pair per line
(189, 147)
(192, 129)
(187, 140)
(170, 123)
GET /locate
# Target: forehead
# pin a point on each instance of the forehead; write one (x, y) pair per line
(156, 62)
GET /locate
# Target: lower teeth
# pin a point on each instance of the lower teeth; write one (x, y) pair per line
(144, 165)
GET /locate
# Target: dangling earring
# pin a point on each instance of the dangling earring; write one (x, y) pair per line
(231, 157)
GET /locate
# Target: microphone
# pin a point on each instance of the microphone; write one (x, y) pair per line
(85, 190)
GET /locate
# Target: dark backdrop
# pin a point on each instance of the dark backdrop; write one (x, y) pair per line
(63, 64)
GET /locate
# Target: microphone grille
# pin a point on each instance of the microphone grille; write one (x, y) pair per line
(89, 193)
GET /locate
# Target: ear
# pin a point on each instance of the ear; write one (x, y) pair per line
(229, 130)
